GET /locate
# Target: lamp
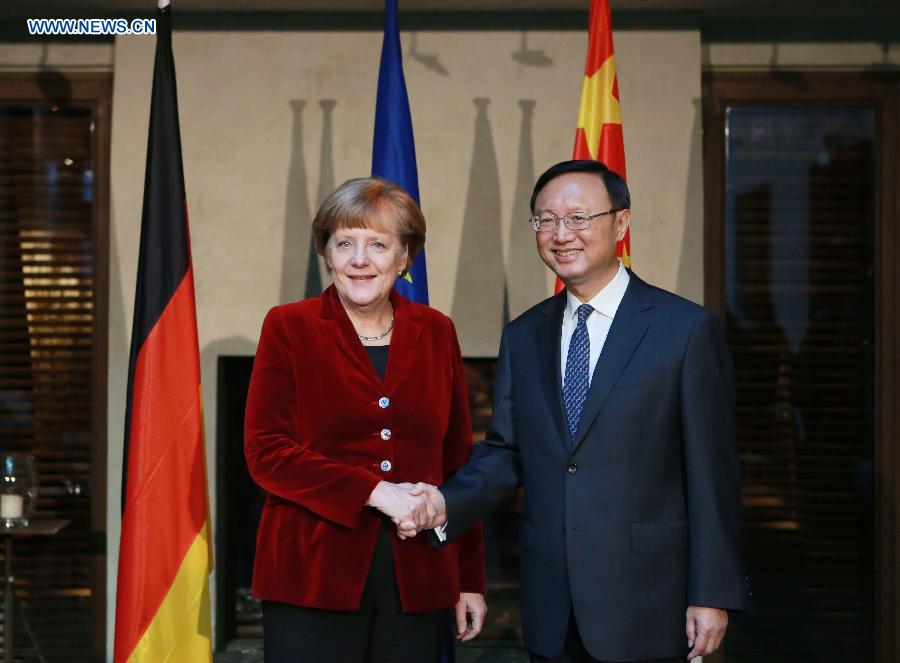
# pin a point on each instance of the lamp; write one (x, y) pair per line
(18, 489)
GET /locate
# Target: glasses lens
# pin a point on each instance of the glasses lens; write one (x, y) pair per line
(547, 224)
(577, 221)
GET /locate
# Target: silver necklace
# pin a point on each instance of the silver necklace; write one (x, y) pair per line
(380, 336)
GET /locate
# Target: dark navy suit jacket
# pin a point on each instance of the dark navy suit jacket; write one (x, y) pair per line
(639, 515)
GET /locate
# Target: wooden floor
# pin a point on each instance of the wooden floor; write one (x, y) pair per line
(485, 651)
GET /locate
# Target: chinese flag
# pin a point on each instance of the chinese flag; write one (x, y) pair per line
(599, 132)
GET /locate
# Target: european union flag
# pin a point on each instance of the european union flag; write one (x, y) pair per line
(394, 151)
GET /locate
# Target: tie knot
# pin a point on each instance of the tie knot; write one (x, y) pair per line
(583, 312)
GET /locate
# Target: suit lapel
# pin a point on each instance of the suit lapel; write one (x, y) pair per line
(625, 334)
(407, 331)
(548, 350)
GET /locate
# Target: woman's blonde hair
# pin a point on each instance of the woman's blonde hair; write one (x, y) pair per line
(353, 204)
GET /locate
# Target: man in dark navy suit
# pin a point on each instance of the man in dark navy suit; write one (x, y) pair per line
(613, 407)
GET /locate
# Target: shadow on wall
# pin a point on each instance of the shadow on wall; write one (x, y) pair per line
(480, 264)
(301, 279)
(315, 264)
(531, 57)
(689, 281)
(297, 220)
(431, 61)
(526, 282)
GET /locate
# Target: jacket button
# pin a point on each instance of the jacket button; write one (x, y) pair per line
(384, 402)
(386, 466)
(385, 433)
(572, 468)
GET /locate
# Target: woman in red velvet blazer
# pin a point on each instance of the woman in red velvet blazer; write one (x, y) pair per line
(355, 395)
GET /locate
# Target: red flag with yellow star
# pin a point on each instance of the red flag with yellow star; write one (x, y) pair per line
(599, 132)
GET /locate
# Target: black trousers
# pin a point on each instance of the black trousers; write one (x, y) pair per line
(379, 632)
(574, 650)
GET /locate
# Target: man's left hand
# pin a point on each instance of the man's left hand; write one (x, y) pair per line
(473, 606)
(705, 628)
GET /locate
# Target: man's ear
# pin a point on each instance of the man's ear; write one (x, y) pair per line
(622, 223)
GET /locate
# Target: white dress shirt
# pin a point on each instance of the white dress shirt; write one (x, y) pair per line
(605, 304)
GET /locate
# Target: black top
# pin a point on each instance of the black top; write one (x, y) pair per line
(379, 355)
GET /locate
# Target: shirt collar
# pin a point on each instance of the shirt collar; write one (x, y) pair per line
(607, 300)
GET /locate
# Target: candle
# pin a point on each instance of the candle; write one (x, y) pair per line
(11, 506)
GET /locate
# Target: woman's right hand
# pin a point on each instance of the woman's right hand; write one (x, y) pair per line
(394, 500)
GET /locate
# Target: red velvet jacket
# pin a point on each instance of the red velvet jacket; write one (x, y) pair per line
(317, 416)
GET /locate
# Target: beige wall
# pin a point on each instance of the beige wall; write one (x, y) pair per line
(490, 112)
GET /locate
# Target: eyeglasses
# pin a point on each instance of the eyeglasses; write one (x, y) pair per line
(573, 220)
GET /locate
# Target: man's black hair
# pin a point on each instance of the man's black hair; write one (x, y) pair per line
(615, 185)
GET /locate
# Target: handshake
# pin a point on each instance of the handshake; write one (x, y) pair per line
(412, 507)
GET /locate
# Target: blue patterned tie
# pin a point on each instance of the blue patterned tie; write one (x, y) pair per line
(578, 362)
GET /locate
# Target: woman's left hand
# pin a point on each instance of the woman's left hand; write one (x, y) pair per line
(474, 605)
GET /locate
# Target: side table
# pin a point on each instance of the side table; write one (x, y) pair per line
(34, 528)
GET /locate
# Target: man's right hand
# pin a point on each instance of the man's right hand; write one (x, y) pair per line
(438, 507)
(401, 505)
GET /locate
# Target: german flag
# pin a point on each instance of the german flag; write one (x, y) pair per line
(599, 132)
(162, 603)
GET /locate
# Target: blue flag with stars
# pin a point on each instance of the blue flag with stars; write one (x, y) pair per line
(394, 151)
